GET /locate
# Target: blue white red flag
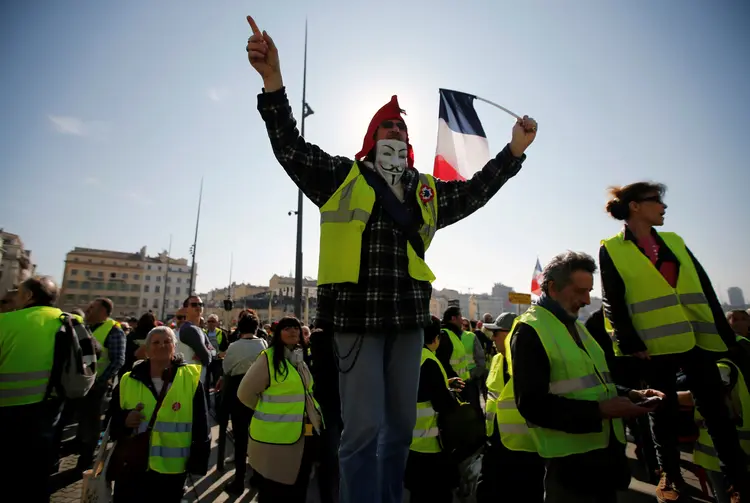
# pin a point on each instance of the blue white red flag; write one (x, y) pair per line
(536, 280)
(462, 147)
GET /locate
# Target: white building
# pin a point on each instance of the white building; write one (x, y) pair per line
(164, 290)
(15, 262)
(283, 286)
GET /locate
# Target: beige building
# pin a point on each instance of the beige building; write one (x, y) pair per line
(15, 262)
(284, 286)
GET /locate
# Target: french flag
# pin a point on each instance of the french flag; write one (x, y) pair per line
(462, 147)
(536, 280)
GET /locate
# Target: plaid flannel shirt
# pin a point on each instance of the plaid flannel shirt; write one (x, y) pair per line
(386, 298)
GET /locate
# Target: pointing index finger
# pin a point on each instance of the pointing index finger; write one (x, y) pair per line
(253, 26)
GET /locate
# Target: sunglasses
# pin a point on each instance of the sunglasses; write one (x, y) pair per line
(651, 199)
(389, 125)
(196, 304)
(180, 318)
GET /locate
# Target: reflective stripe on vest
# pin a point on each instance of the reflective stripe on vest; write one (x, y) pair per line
(571, 371)
(458, 360)
(172, 434)
(704, 452)
(425, 432)
(280, 414)
(343, 219)
(100, 334)
(27, 346)
(668, 320)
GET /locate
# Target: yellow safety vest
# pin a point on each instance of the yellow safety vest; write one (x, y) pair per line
(668, 320)
(704, 452)
(100, 334)
(27, 350)
(501, 409)
(468, 339)
(425, 435)
(173, 429)
(343, 219)
(280, 414)
(459, 358)
(574, 374)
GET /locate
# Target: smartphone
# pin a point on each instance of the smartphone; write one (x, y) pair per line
(650, 401)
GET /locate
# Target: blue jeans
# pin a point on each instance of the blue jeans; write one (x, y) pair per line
(378, 385)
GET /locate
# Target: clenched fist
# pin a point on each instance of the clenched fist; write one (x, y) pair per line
(264, 57)
(524, 133)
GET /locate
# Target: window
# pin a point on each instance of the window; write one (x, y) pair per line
(156, 304)
(74, 272)
(124, 275)
(135, 288)
(169, 279)
(157, 288)
(158, 278)
(168, 290)
(85, 285)
(98, 286)
(149, 267)
(146, 288)
(112, 275)
(114, 262)
(144, 303)
(72, 284)
(121, 301)
(70, 298)
(87, 273)
(160, 268)
(101, 261)
(100, 274)
(179, 280)
(148, 278)
(112, 287)
(90, 261)
(177, 290)
(133, 301)
(123, 287)
(136, 276)
(176, 304)
(83, 299)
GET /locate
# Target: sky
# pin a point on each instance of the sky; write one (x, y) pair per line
(113, 111)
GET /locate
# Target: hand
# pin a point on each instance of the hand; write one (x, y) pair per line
(456, 383)
(222, 354)
(219, 383)
(135, 417)
(642, 355)
(639, 395)
(621, 407)
(524, 133)
(264, 57)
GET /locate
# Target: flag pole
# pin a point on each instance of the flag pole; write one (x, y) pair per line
(498, 106)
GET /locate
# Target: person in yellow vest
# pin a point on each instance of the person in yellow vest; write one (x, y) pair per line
(112, 340)
(453, 356)
(180, 441)
(431, 474)
(704, 453)
(286, 424)
(564, 391)
(663, 311)
(510, 465)
(378, 216)
(27, 415)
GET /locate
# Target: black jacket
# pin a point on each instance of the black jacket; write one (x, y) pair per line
(200, 448)
(616, 309)
(531, 377)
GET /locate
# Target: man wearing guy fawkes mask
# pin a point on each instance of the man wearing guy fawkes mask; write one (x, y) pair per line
(378, 215)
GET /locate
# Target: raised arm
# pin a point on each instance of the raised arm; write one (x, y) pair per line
(459, 199)
(315, 172)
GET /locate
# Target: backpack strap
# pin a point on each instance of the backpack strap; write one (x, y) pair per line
(62, 347)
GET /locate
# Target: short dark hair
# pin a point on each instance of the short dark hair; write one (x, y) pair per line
(562, 266)
(619, 205)
(248, 324)
(186, 303)
(43, 290)
(107, 304)
(451, 312)
(432, 331)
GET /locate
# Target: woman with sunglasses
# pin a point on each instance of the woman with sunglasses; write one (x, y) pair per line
(286, 423)
(662, 309)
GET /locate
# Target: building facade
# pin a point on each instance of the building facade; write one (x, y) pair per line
(135, 282)
(283, 286)
(15, 262)
(736, 296)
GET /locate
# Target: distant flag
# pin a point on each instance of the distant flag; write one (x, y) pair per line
(536, 280)
(462, 147)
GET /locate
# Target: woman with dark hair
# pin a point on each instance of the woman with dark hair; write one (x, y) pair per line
(663, 310)
(431, 474)
(287, 422)
(135, 348)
